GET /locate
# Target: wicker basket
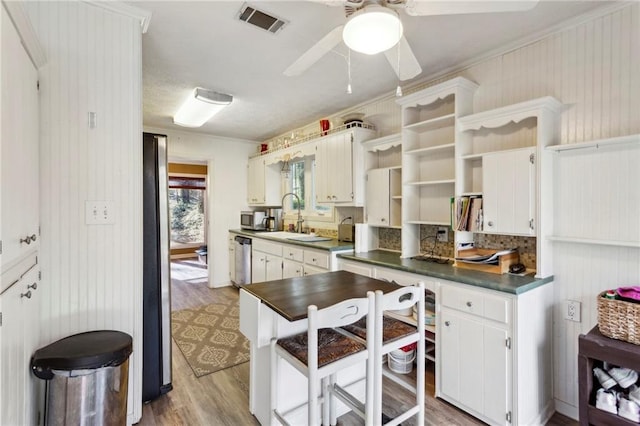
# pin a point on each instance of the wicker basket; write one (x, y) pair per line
(619, 319)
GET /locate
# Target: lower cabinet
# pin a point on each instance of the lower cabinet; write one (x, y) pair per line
(291, 268)
(19, 338)
(494, 353)
(232, 258)
(266, 261)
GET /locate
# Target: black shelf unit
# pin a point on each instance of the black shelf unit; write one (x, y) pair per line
(593, 349)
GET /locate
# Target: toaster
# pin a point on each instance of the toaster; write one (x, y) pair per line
(347, 232)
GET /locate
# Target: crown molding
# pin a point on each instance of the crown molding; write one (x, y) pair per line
(26, 32)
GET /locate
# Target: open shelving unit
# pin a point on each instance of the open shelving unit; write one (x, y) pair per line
(430, 136)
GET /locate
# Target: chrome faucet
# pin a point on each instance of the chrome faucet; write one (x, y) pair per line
(300, 220)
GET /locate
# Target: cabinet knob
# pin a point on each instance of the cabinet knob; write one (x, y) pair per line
(447, 323)
(490, 223)
(27, 295)
(33, 286)
(469, 304)
(28, 239)
(382, 220)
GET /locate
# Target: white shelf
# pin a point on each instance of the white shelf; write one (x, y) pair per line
(432, 123)
(471, 194)
(396, 197)
(431, 182)
(431, 149)
(428, 222)
(599, 143)
(591, 241)
(383, 143)
(512, 113)
(471, 157)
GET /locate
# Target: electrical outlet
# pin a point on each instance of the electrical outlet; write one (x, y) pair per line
(98, 213)
(572, 310)
(443, 234)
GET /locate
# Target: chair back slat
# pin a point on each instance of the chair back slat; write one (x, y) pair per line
(340, 314)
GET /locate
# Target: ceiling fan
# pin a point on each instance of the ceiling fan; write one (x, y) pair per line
(382, 21)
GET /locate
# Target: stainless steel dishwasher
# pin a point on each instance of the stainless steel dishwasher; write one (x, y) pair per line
(242, 261)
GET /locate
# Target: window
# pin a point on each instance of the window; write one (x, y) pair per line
(187, 211)
(301, 181)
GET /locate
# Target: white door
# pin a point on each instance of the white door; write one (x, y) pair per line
(273, 267)
(291, 269)
(20, 160)
(508, 180)
(378, 197)
(258, 267)
(496, 387)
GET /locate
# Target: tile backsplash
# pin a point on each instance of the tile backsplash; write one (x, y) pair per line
(390, 239)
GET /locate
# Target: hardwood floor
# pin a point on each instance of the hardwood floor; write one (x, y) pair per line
(222, 398)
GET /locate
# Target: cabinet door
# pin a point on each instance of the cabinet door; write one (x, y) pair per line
(19, 145)
(232, 259)
(312, 270)
(255, 181)
(291, 269)
(496, 388)
(378, 197)
(461, 359)
(20, 338)
(273, 267)
(334, 178)
(508, 180)
(258, 267)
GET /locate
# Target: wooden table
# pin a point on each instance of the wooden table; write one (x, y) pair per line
(291, 297)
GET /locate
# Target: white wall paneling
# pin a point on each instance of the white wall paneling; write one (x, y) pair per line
(93, 273)
(227, 183)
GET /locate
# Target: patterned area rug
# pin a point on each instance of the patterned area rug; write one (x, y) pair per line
(209, 338)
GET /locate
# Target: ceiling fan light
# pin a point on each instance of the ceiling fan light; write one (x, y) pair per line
(372, 30)
(200, 106)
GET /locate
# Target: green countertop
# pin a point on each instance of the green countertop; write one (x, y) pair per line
(331, 245)
(506, 283)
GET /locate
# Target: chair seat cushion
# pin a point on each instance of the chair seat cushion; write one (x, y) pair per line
(392, 329)
(332, 346)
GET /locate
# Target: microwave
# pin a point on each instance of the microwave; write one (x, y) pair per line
(254, 220)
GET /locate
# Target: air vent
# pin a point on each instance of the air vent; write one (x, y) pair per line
(261, 19)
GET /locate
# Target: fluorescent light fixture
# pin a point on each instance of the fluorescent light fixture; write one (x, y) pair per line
(200, 106)
(372, 30)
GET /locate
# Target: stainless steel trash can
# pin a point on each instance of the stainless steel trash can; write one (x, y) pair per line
(87, 376)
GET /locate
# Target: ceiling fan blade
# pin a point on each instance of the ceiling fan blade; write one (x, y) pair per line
(409, 66)
(440, 7)
(317, 51)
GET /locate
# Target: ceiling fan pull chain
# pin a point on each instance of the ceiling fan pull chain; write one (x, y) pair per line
(349, 70)
(399, 89)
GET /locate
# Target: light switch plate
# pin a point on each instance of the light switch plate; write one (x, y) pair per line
(98, 213)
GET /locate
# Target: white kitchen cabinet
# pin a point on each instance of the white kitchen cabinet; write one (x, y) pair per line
(266, 261)
(429, 137)
(263, 183)
(383, 156)
(291, 268)
(232, 257)
(509, 192)
(339, 173)
(334, 172)
(20, 307)
(384, 197)
(355, 267)
(19, 149)
(312, 270)
(487, 343)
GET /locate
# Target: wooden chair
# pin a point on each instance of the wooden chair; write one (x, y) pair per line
(392, 334)
(320, 353)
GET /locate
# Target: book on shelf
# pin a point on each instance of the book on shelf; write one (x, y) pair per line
(467, 213)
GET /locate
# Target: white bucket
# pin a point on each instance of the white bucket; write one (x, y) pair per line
(400, 361)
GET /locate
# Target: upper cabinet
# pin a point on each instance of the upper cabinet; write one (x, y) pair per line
(263, 183)
(429, 138)
(383, 159)
(339, 174)
(19, 149)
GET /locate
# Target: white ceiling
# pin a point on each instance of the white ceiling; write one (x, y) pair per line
(203, 44)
